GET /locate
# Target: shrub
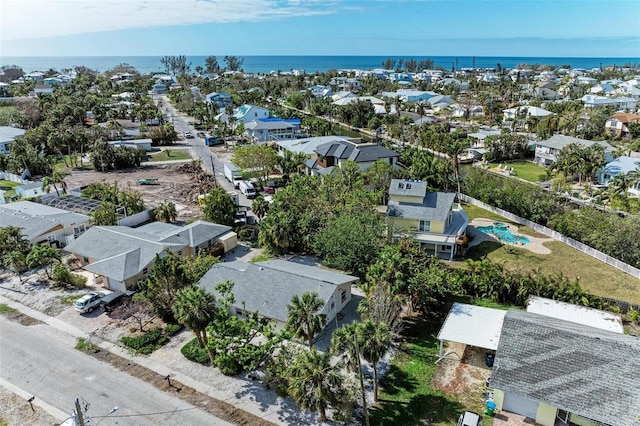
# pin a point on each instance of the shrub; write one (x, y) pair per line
(228, 365)
(64, 277)
(193, 352)
(172, 329)
(147, 342)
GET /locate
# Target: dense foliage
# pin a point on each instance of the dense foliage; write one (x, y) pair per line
(605, 231)
(306, 215)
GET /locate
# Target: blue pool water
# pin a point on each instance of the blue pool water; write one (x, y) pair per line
(501, 231)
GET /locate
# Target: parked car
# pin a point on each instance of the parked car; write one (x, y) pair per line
(110, 301)
(89, 302)
(201, 135)
(469, 418)
(188, 135)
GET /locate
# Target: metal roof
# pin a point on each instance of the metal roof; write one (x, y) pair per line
(473, 325)
(574, 313)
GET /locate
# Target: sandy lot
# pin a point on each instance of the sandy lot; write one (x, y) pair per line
(173, 185)
(463, 372)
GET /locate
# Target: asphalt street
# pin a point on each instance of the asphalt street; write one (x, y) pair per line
(57, 374)
(209, 160)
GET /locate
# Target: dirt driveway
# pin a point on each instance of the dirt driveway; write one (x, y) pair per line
(172, 185)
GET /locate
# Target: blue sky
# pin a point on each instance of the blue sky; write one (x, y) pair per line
(547, 28)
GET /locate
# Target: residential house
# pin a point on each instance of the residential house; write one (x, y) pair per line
(621, 165)
(547, 150)
(120, 256)
(378, 104)
(525, 111)
(41, 89)
(159, 89)
(333, 154)
(267, 287)
(477, 147)
(8, 135)
(43, 224)
(272, 129)
(431, 218)
(320, 91)
(342, 95)
(134, 143)
(308, 146)
(410, 95)
(620, 104)
(618, 124)
(247, 113)
(221, 99)
(552, 370)
(30, 190)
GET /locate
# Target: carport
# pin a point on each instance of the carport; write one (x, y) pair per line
(472, 325)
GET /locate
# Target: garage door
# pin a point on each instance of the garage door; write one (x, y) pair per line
(116, 285)
(520, 405)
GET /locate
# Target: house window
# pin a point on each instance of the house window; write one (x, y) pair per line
(425, 226)
(145, 271)
(78, 229)
(343, 296)
(85, 259)
(401, 185)
(408, 186)
(333, 305)
(51, 238)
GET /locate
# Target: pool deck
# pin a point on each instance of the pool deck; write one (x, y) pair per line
(535, 244)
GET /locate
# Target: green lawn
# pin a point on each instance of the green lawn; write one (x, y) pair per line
(527, 170)
(406, 395)
(169, 155)
(595, 276)
(474, 212)
(9, 187)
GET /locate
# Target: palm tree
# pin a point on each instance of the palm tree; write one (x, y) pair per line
(453, 149)
(303, 317)
(374, 344)
(314, 381)
(42, 255)
(195, 308)
(56, 178)
(166, 212)
(260, 207)
(16, 260)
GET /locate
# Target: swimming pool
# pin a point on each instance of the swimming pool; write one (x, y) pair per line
(501, 230)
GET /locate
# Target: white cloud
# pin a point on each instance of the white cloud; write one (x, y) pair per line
(28, 19)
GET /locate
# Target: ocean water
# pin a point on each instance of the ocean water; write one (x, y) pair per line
(310, 64)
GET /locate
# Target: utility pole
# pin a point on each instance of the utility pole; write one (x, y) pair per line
(79, 413)
(364, 397)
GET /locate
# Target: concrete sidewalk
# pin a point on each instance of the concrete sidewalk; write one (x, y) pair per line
(273, 413)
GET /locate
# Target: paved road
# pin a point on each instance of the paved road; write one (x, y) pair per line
(56, 373)
(209, 160)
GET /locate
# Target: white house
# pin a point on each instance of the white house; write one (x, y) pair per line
(30, 190)
(42, 223)
(267, 287)
(7, 136)
(547, 150)
(620, 104)
(247, 113)
(621, 165)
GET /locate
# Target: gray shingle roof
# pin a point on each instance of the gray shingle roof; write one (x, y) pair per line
(560, 141)
(435, 206)
(267, 287)
(192, 234)
(358, 153)
(36, 219)
(411, 188)
(587, 371)
(120, 252)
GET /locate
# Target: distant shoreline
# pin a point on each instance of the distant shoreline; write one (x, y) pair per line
(309, 63)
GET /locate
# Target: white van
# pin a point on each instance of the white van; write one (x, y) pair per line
(247, 189)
